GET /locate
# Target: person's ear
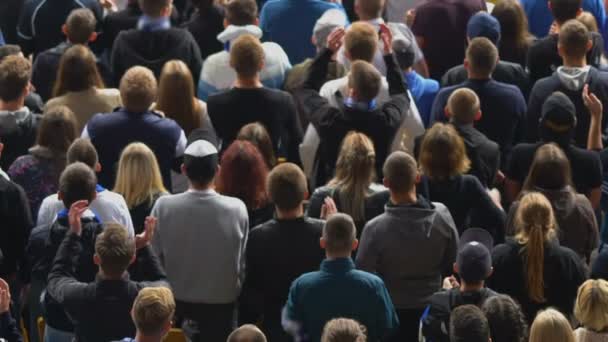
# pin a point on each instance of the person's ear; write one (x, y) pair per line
(60, 195)
(322, 243)
(491, 272)
(64, 29)
(446, 111)
(346, 55)
(226, 23)
(549, 6)
(589, 45)
(313, 40)
(93, 37)
(257, 22)
(133, 258)
(455, 268)
(1, 148)
(385, 183)
(96, 259)
(355, 245)
(478, 115)
(97, 167)
(94, 196)
(418, 178)
(560, 50)
(166, 12)
(465, 63)
(262, 65)
(306, 193)
(167, 327)
(579, 12)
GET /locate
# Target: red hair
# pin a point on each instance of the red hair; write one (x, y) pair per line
(243, 174)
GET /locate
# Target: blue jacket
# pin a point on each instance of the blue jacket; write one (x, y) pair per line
(540, 17)
(423, 91)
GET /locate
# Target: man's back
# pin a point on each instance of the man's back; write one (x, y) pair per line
(505, 72)
(16, 224)
(18, 131)
(540, 17)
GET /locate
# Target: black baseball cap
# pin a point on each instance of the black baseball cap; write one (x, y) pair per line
(474, 260)
(558, 113)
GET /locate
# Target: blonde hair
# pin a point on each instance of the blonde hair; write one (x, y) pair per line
(138, 89)
(463, 105)
(138, 178)
(591, 307)
(343, 330)
(442, 153)
(551, 326)
(153, 307)
(361, 42)
(247, 55)
(535, 224)
(354, 173)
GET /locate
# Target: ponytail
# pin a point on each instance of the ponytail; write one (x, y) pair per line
(535, 262)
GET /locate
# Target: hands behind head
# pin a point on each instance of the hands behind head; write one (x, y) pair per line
(336, 39)
(75, 214)
(387, 39)
(144, 239)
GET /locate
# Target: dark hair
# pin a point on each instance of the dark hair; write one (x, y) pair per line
(77, 182)
(468, 324)
(339, 233)
(9, 50)
(286, 186)
(550, 170)
(80, 25)
(243, 174)
(77, 71)
(201, 171)
(153, 8)
(15, 73)
(83, 151)
(574, 38)
(513, 21)
(400, 171)
(564, 10)
(57, 129)
(241, 12)
(257, 134)
(507, 321)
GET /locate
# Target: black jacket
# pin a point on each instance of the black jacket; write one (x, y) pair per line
(8, 328)
(15, 227)
(100, 310)
(205, 27)
(332, 124)
(18, 132)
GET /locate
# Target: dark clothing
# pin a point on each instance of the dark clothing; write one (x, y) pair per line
(513, 53)
(268, 275)
(206, 322)
(585, 165)
(140, 212)
(10, 11)
(16, 226)
(564, 272)
(18, 132)
(409, 325)
(34, 103)
(275, 109)
(543, 58)
(598, 85)
(87, 302)
(8, 328)
(600, 266)
(503, 112)
(260, 215)
(332, 124)
(205, 27)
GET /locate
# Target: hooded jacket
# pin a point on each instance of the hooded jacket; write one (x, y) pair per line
(17, 133)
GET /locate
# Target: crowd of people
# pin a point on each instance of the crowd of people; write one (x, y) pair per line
(303, 170)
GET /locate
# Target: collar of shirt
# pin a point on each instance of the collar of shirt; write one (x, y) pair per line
(339, 265)
(150, 24)
(202, 192)
(375, 22)
(63, 215)
(351, 103)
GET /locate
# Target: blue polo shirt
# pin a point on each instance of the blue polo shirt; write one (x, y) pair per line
(339, 290)
(540, 17)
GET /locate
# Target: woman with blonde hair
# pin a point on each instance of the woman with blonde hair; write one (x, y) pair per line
(551, 326)
(139, 181)
(444, 162)
(533, 268)
(591, 311)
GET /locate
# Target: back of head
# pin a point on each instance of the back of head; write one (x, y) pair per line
(550, 169)
(115, 249)
(564, 10)
(558, 119)
(551, 326)
(153, 310)
(343, 330)
(9, 50)
(200, 162)
(591, 307)
(365, 80)
(247, 56)
(154, 8)
(361, 42)
(442, 153)
(463, 106)
(400, 172)
(77, 71)
(339, 234)
(80, 25)
(513, 22)
(247, 333)
(369, 9)
(482, 24)
(83, 151)
(257, 134)
(138, 89)
(15, 73)
(589, 21)
(241, 12)
(482, 56)
(286, 186)
(468, 324)
(574, 39)
(176, 96)
(77, 182)
(507, 321)
(57, 129)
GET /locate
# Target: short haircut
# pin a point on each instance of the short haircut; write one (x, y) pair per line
(15, 73)
(344, 330)
(247, 333)
(115, 249)
(80, 25)
(564, 10)
(83, 151)
(77, 182)
(9, 50)
(589, 21)
(482, 56)
(241, 12)
(574, 38)
(339, 233)
(153, 8)
(443, 153)
(365, 79)
(400, 171)
(371, 8)
(138, 89)
(286, 186)
(463, 105)
(468, 324)
(591, 307)
(247, 55)
(361, 42)
(57, 129)
(152, 308)
(201, 171)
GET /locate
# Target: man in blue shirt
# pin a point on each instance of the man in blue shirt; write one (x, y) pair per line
(540, 17)
(338, 290)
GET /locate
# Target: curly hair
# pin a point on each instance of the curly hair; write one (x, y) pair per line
(507, 321)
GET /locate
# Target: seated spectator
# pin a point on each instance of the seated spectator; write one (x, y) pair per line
(108, 206)
(218, 74)
(80, 87)
(33, 101)
(507, 322)
(533, 268)
(18, 125)
(551, 325)
(112, 132)
(343, 330)
(557, 124)
(257, 134)
(317, 297)
(544, 56)
(215, 250)
(503, 105)
(570, 79)
(353, 183)
(468, 324)
(411, 227)
(154, 42)
(590, 310)
(247, 333)
(444, 162)
(483, 24)
(139, 181)
(152, 313)
(8, 327)
(515, 39)
(41, 23)
(206, 24)
(473, 265)
(250, 101)
(38, 171)
(576, 223)
(112, 293)
(243, 175)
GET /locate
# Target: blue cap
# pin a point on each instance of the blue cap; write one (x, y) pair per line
(474, 260)
(483, 24)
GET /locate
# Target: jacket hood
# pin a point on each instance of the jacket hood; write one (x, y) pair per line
(563, 200)
(11, 121)
(573, 78)
(422, 214)
(232, 32)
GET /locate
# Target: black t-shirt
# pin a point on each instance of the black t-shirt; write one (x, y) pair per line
(586, 166)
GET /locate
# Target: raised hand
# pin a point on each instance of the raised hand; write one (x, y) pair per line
(75, 214)
(387, 39)
(336, 39)
(329, 208)
(592, 102)
(145, 238)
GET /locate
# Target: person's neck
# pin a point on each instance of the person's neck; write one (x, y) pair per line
(199, 187)
(290, 214)
(404, 198)
(12, 106)
(575, 62)
(364, 17)
(248, 83)
(106, 276)
(335, 256)
(464, 287)
(478, 77)
(460, 123)
(139, 337)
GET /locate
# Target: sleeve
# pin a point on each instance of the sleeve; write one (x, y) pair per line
(421, 24)
(396, 83)
(294, 129)
(180, 147)
(600, 15)
(600, 266)
(85, 133)
(591, 225)
(8, 328)
(291, 319)
(438, 109)
(251, 300)
(151, 268)
(43, 76)
(124, 216)
(156, 239)
(118, 69)
(386, 316)
(62, 283)
(595, 172)
(534, 109)
(2, 42)
(25, 28)
(196, 62)
(315, 203)
(490, 216)
(450, 254)
(520, 127)
(205, 88)
(367, 255)
(23, 227)
(245, 231)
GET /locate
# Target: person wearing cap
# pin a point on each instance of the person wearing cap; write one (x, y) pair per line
(473, 266)
(411, 228)
(200, 239)
(485, 25)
